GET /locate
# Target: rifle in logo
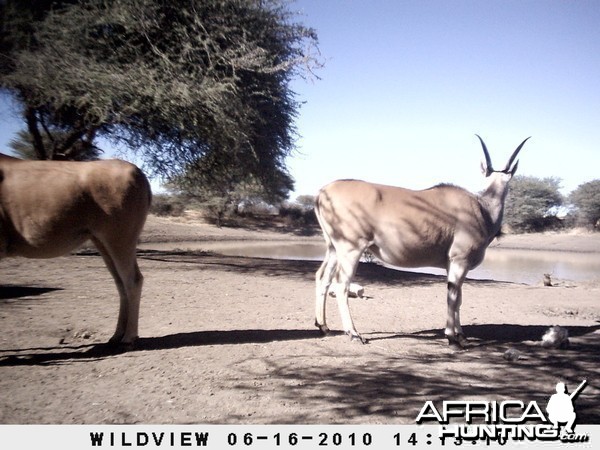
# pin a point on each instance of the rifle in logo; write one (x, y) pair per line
(560, 406)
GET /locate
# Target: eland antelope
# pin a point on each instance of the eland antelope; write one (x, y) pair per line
(49, 208)
(444, 226)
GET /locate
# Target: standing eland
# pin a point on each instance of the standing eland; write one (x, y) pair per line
(49, 208)
(444, 226)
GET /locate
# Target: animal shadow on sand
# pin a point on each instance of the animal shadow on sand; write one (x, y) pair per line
(9, 292)
(483, 336)
(65, 353)
(488, 334)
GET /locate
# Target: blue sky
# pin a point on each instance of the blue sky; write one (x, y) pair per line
(407, 84)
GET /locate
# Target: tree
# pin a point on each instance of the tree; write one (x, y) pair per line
(173, 81)
(532, 203)
(220, 184)
(306, 202)
(586, 199)
(82, 150)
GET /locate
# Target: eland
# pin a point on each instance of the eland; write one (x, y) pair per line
(49, 208)
(444, 226)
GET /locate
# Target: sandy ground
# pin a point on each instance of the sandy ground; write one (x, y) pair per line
(231, 340)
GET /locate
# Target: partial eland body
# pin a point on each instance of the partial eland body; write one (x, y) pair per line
(444, 226)
(49, 208)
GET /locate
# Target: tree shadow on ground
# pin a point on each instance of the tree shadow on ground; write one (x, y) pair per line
(393, 389)
(381, 387)
(298, 269)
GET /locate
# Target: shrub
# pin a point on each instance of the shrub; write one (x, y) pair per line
(167, 205)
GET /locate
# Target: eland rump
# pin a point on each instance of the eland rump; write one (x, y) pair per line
(444, 226)
(49, 208)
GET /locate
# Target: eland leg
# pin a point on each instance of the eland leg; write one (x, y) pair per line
(457, 271)
(323, 282)
(122, 264)
(347, 261)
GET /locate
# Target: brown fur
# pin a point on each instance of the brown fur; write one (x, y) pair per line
(49, 208)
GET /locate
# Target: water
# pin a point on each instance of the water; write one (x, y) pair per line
(518, 266)
(524, 266)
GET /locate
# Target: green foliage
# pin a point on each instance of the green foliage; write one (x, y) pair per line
(176, 81)
(532, 203)
(586, 199)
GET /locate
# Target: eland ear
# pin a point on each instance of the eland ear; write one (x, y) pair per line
(484, 169)
(514, 169)
(488, 161)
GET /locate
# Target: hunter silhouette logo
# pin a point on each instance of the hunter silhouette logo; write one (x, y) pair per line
(506, 420)
(560, 406)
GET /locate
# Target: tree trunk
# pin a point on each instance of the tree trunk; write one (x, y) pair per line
(38, 143)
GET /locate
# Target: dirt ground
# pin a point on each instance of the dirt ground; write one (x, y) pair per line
(231, 340)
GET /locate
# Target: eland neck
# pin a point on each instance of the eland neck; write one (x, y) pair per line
(492, 200)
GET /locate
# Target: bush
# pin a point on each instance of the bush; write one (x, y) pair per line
(297, 215)
(532, 204)
(167, 205)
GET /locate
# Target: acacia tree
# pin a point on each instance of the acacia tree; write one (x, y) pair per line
(532, 202)
(220, 184)
(82, 150)
(586, 199)
(174, 80)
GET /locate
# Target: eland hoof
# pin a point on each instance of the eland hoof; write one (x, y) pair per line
(121, 346)
(355, 337)
(322, 328)
(458, 342)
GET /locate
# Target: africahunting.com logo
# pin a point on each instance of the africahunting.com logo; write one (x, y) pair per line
(507, 420)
